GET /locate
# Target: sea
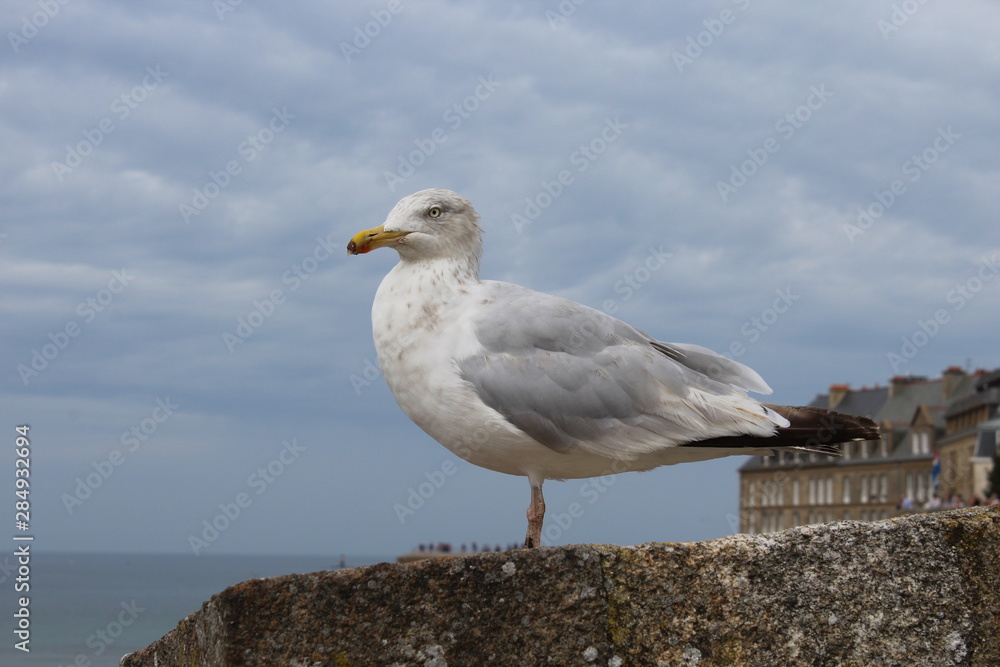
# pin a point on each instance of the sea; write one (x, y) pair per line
(88, 610)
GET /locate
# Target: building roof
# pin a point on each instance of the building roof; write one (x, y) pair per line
(909, 393)
(862, 402)
(985, 395)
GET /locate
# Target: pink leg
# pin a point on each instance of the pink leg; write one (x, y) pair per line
(536, 514)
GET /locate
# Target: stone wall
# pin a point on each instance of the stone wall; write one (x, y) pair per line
(919, 590)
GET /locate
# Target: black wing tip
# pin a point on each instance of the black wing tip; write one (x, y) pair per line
(811, 430)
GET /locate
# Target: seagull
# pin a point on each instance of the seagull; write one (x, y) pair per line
(531, 384)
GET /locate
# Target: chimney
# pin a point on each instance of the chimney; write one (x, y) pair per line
(950, 380)
(837, 394)
(900, 381)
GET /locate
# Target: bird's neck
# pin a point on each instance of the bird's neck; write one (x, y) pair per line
(446, 272)
(413, 298)
(425, 286)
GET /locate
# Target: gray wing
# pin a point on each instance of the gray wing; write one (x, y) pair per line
(571, 376)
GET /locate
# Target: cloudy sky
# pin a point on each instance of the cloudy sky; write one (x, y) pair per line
(812, 190)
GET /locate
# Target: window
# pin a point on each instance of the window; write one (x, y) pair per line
(847, 490)
(846, 450)
(829, 492)
(883, 488)
(863, 496)
(921, 487)
(883, 448)
(921, 442)
(909, 484)
(795, 492)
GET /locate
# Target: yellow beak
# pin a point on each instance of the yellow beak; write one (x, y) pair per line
(370, 239)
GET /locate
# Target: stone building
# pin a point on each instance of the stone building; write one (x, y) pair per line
(955, 415)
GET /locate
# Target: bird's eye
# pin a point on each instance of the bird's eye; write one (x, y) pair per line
(434, 212)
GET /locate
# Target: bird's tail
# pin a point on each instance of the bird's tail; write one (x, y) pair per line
(810, 430)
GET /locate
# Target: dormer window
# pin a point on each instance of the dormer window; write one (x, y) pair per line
(921, 441)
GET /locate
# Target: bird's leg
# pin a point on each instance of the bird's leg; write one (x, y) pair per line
(536, 514)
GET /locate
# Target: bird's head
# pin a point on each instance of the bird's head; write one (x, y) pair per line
(429, 224)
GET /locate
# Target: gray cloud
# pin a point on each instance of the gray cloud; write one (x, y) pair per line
(414, 93)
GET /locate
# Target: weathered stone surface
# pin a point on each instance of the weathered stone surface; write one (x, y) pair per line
(920, 590)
